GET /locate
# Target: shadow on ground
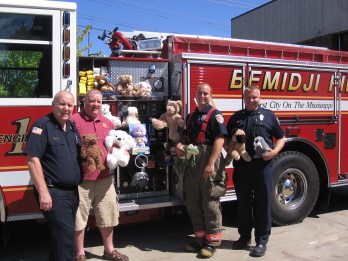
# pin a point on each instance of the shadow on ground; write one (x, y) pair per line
(28, 240)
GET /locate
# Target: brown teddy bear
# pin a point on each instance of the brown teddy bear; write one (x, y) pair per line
(236, 147)
(102, 84)
(170, 118)
(91, 152)
(127, 87)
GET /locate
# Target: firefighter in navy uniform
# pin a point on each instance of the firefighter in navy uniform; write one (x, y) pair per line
(253, 180)
(53, 158)
(205, 181)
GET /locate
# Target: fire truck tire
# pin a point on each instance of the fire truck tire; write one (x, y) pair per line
(296, 188)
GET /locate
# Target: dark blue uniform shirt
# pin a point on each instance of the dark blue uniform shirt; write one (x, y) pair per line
(261, 122)
(215, 126)
(58, 151)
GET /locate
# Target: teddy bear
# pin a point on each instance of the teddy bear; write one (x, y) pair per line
(127, 87)
(106, 113)
(132, 117)
(144, 88)
(170, 118)
(91, 152)
(117, 143)
(236, 147)
(102, 84)
(139, 135)
(260, 146)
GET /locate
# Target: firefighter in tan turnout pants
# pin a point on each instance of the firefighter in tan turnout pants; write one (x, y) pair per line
(205, 180)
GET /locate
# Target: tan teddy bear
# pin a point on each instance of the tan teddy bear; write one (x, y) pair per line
(91, 152)
(127, 87)
(236, 147)
(170, 118)
(102, 84)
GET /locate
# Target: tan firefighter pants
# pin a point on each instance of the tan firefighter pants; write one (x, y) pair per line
(202, 198)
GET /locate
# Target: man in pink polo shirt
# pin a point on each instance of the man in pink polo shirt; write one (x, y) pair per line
(97, 189)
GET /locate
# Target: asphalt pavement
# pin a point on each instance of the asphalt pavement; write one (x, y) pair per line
(321, 236)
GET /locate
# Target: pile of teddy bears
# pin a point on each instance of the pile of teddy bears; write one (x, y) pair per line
(128, 89)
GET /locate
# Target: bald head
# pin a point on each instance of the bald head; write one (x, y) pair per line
(63, 106)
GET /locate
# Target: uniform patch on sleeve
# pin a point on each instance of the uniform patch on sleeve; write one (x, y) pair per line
(219, 118)
(36, 130)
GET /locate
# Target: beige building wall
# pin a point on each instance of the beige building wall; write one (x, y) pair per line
(313, 22)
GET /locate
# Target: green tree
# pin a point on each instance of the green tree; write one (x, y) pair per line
(19, 68)
(20, 77)
(79, 39)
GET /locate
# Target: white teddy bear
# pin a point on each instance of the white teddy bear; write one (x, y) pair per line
(132, 117)
(117, 143)
(146, 87)
(106, 113)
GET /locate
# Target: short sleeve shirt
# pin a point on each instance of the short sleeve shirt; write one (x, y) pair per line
(215, 125)
(101, 126)
(58, 151)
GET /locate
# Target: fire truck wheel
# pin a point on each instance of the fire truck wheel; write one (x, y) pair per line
(296, 188)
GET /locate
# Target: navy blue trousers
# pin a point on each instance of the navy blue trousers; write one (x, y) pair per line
(253, 185)
(61, 222)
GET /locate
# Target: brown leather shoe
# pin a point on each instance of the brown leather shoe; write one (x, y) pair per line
(81, 258)
(115, 255)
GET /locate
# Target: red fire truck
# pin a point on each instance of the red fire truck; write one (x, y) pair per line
(307, 87)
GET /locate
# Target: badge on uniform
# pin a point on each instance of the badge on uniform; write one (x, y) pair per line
(36, 130)
(219, 118)
(261, 117)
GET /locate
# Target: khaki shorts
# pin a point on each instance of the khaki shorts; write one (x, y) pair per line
(101, 195)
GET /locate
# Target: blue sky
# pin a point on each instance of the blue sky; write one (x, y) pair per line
(194, 17)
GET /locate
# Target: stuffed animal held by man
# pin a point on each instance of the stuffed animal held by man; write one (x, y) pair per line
(91, 152)
(117, 143)
(236, 147)
(260, 146)
(189, 158)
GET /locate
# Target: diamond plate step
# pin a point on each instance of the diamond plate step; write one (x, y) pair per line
(147, 203)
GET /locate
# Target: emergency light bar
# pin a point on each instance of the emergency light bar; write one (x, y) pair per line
(139, 51)
(149, 44)
(149, 53)
(66, 46)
